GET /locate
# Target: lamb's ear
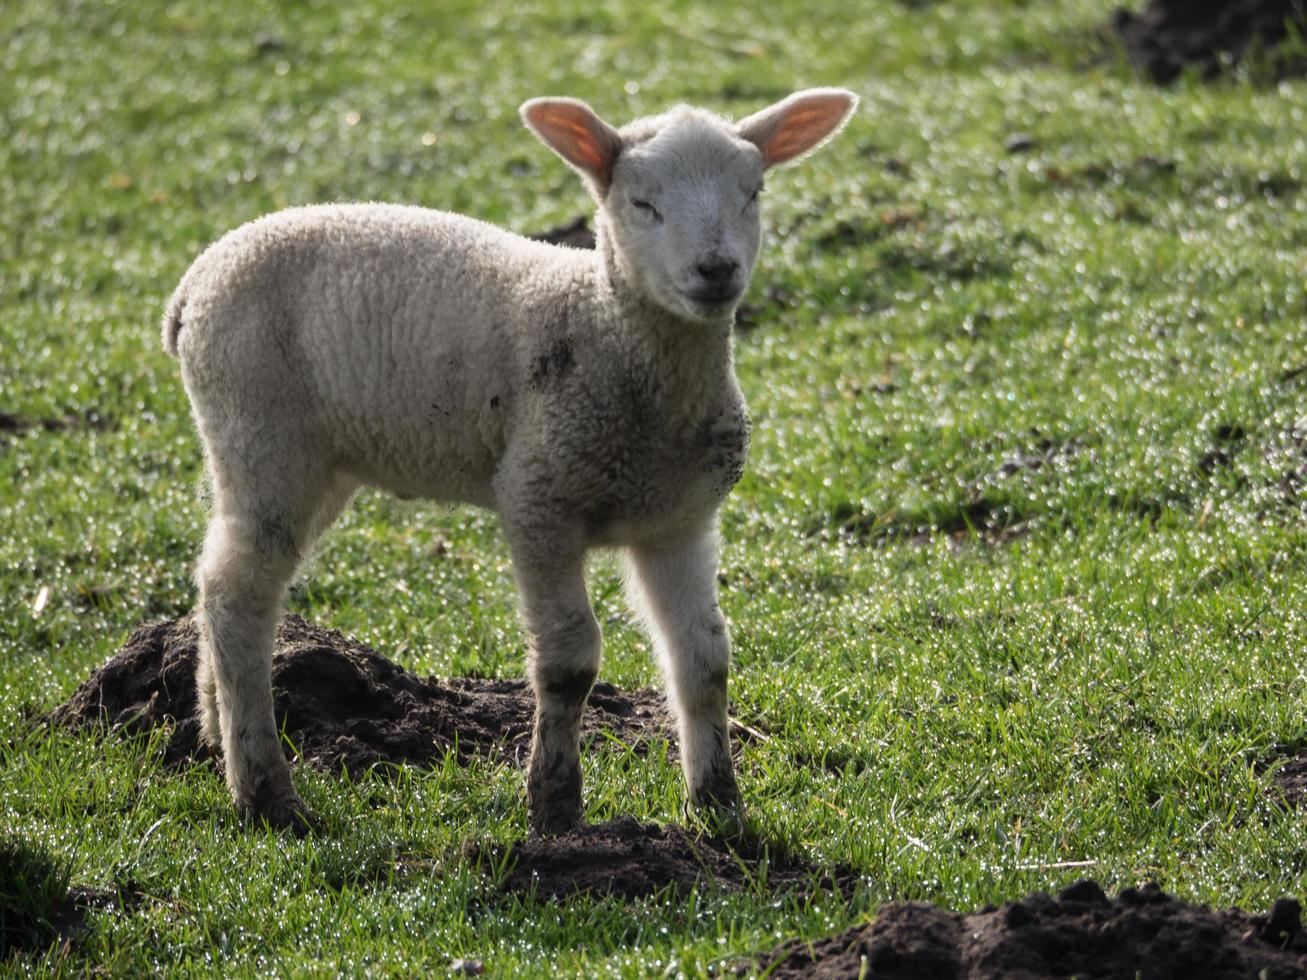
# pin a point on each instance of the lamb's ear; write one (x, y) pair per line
(571, 129)
(798, 124)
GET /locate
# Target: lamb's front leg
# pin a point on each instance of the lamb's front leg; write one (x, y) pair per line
(563, 662)
(675, 590)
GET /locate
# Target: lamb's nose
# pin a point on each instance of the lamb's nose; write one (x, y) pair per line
(718, 271)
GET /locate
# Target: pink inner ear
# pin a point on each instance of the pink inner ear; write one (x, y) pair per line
(803, 127)
(789, 143)
(570, 135)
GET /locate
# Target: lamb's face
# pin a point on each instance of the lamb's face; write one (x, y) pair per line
(678, 193)
(682, 213)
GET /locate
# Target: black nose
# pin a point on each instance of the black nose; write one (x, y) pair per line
(718, 271)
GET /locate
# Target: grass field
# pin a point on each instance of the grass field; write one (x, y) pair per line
(1017, 575)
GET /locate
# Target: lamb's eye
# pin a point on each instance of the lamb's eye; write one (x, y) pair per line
(647, 208)
(753, 198)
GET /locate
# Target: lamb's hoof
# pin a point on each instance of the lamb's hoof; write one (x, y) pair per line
(553, 821)
(717, 806)
(286, 813)
(553, 800)
(717, 792)
(718, 820)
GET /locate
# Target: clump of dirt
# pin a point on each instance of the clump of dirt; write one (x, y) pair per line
(1289, 453)
(627, 859)
(1227, 439)
(1142, 933)
(1169, 35)
(1289, 784)
(342, 704)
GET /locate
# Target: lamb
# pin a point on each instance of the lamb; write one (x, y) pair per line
(589, 398)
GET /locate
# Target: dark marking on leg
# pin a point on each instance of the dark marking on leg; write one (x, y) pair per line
(714, 677)
(570, 686)
(273, 536)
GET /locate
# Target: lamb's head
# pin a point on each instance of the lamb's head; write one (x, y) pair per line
(678, 193)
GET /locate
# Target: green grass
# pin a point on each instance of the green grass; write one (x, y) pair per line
(1095, 658)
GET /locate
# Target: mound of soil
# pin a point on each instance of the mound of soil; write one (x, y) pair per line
(1143, 933)
(627, 859)
(342, 704)
(1169, 35)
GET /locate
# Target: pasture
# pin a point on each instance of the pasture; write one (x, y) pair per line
(1016, 575)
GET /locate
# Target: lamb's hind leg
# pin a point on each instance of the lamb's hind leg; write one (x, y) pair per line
(562, 664)
(675, 590)
(250, 553)
(338, 495)
(207, 688)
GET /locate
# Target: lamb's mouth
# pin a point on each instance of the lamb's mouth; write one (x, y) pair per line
(711, 302)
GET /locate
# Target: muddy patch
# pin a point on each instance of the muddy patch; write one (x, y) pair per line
(1168, 36)
(1288, 786)
(12, 426)
(979, 517)
(1226, 441)
(1287, 456)
(627, 859)
(342, 704)
(859, 230)
(990, 511)
(1142, 933)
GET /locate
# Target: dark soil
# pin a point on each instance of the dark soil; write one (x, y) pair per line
(1290, 451)
(342, 704)
(627, 859)
(1168, 36)
(15, 425)
(1290, 781)
(576, 233)
(1143, 933)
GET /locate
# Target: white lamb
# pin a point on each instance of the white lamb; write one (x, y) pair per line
(587, 397)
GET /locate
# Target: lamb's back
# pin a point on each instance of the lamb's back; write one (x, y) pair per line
(404, 327)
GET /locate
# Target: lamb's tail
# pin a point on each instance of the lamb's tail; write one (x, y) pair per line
(172, 319)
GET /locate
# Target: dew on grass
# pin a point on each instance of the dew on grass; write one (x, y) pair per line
(1151, 307)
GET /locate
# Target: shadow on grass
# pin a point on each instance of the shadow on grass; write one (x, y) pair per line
(37, 908)
(624, 858)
